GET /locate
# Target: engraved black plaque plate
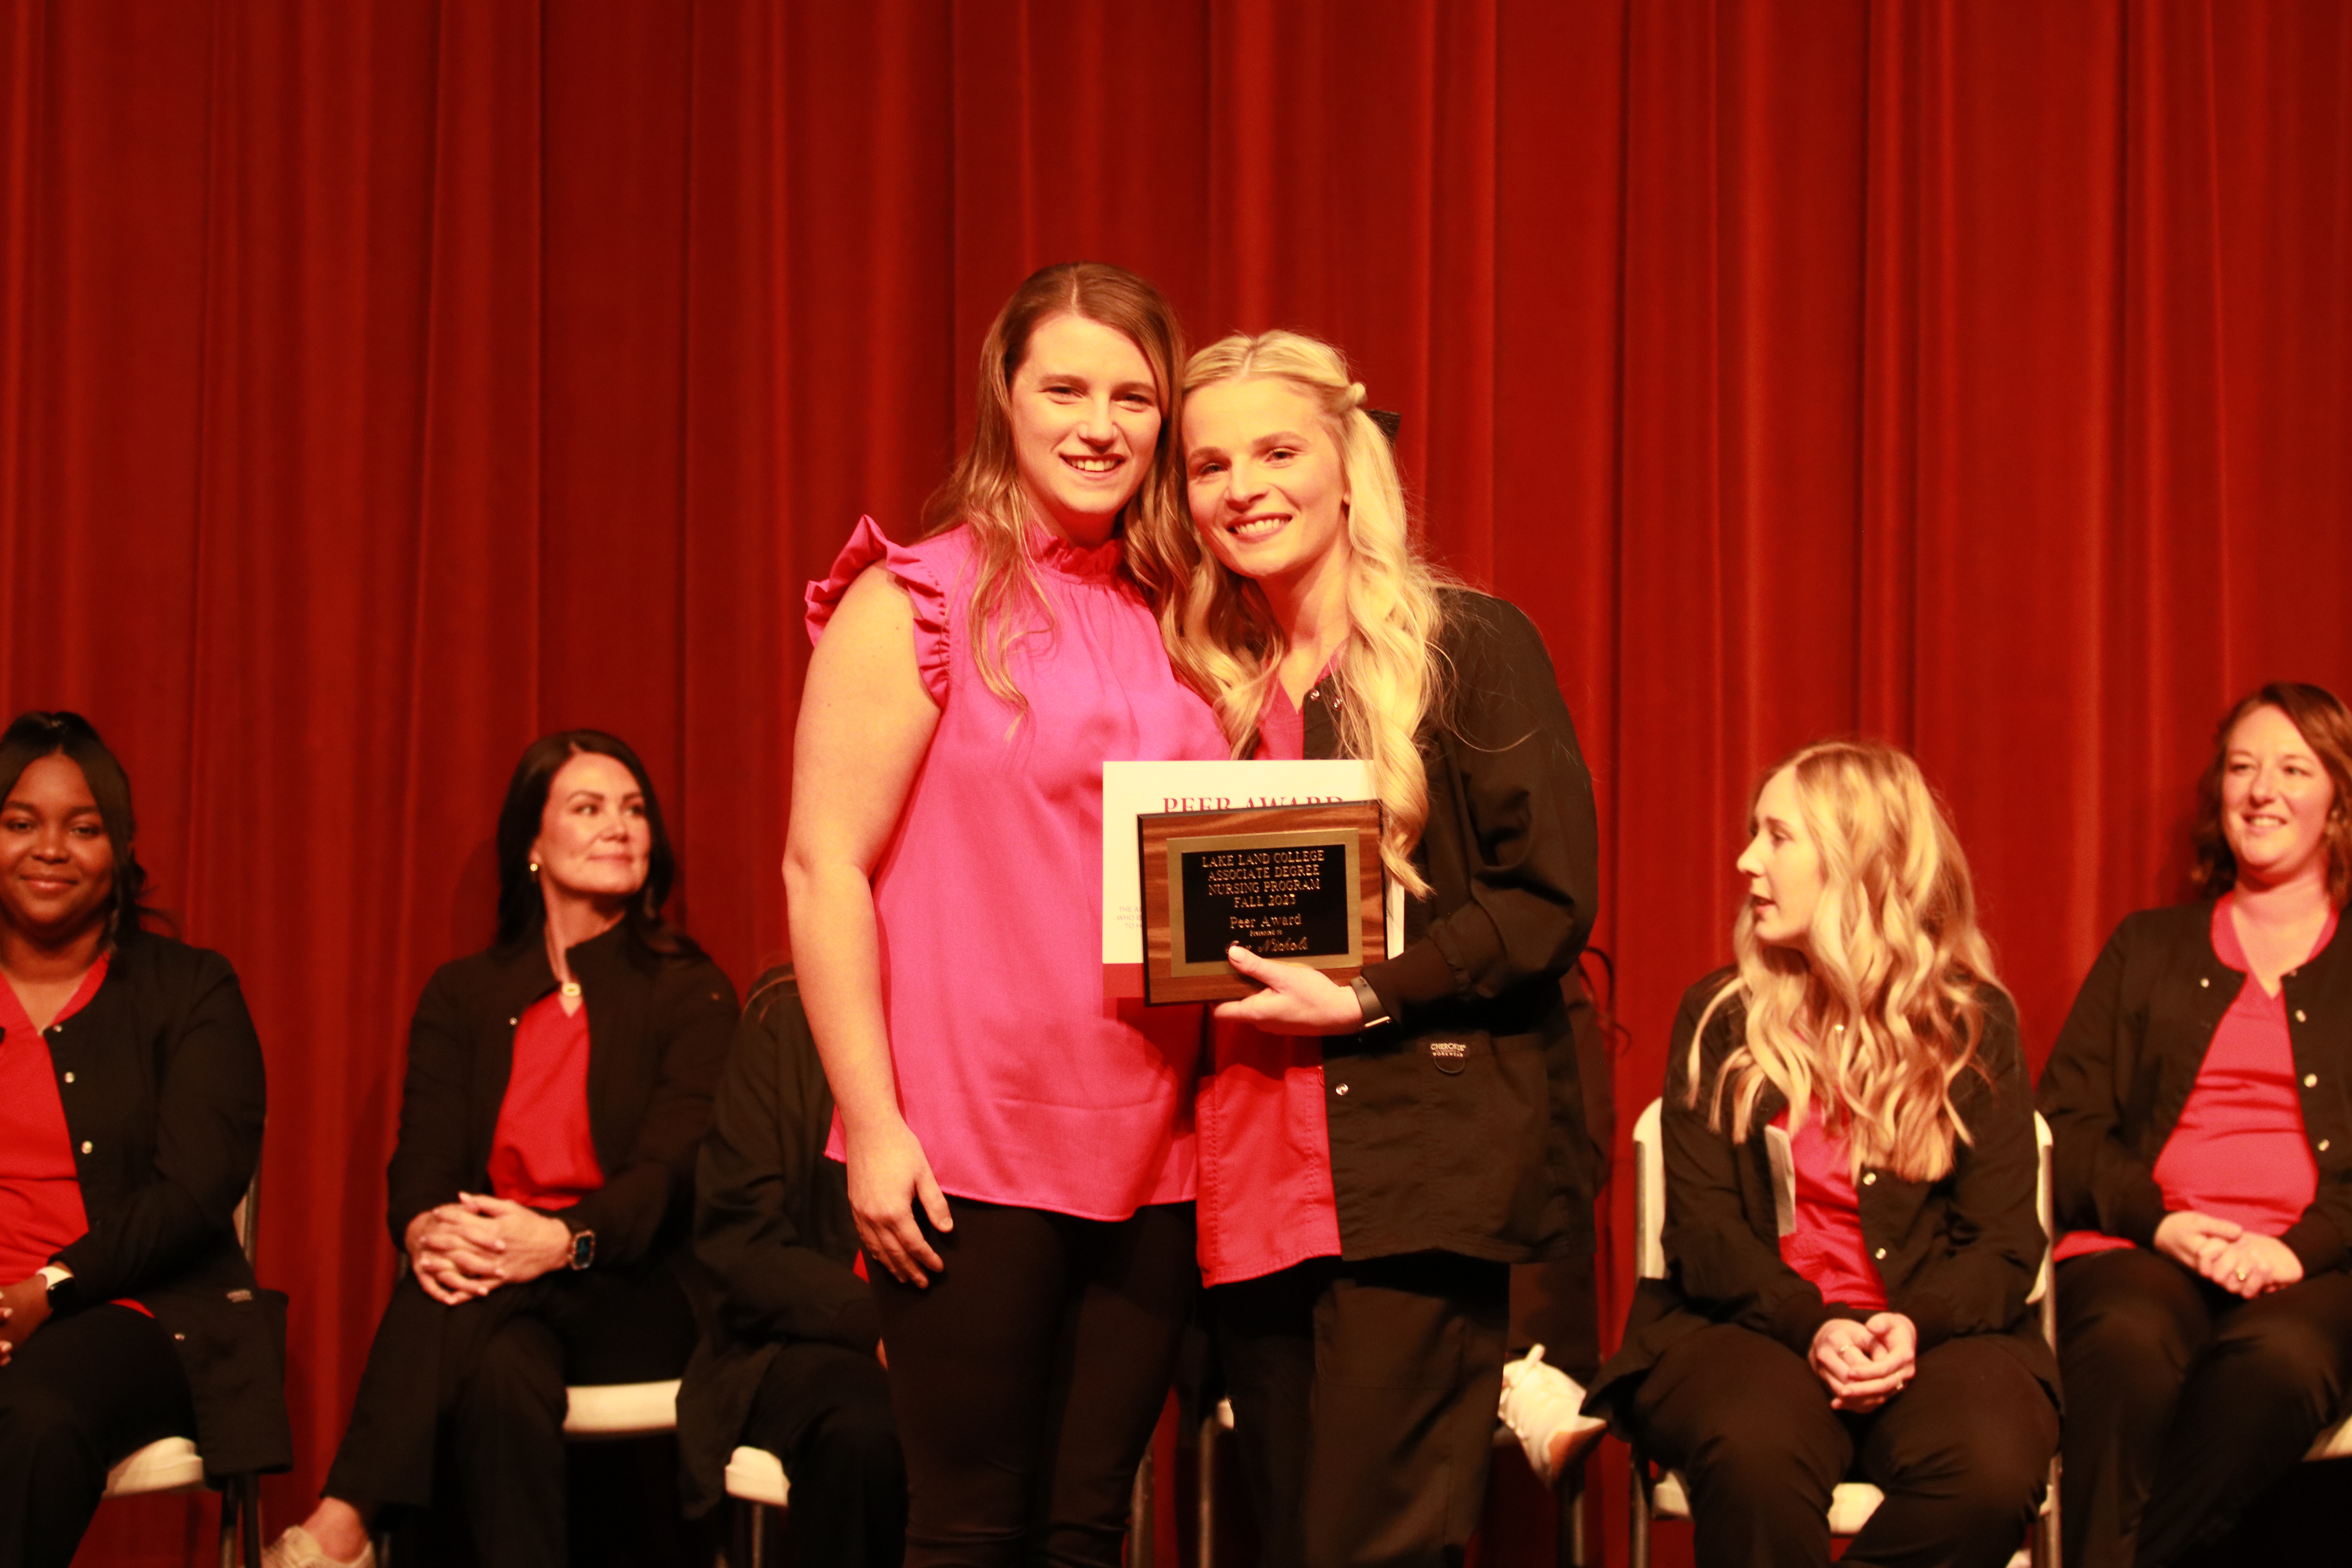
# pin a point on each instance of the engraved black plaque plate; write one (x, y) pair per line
(1298, 883)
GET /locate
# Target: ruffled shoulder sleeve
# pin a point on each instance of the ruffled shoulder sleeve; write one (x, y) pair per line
(915, 570)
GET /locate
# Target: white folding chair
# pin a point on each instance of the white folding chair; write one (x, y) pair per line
(1664, 1494)
(608, 1412)
(757, 1482)
(173, 1465)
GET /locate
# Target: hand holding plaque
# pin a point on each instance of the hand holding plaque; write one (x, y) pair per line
(1297, 883)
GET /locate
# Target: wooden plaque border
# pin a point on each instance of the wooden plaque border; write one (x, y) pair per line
(1331, 820)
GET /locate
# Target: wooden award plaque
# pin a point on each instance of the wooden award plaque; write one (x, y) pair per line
(1298, 883)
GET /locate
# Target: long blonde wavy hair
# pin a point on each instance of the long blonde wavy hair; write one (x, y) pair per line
(983, 489)
(1222, 637)
(1880, 1013)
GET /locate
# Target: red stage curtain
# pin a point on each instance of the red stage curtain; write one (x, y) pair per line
(384, 383)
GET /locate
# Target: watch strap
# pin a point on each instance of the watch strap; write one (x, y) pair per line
(1369, 1001)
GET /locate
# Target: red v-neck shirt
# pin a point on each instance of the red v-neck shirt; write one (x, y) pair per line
(41, 1211)
(543, 1156)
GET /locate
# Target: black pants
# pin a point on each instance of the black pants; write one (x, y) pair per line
(502, 1404)
(1364, 1398)
(1961, 1454)
(2184, 1402)
(825, 1413)
(83, 1393)
(1028, 1377)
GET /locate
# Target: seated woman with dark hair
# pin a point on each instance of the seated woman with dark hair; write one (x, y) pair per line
(2204, 1157)
(792, 1361)
(1850, 1228)
(558, 1087)
(131, 1110)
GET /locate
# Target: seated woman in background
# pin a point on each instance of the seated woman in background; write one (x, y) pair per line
(1857, 1071)
(792, 1361)
(2204, 1157)
(131, 1110)
(1359, 1247)
(558, 1087)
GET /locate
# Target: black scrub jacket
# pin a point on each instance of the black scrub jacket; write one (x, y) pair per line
(162, 1079)
(1459, 1125)
(2117, 1081)
(1958, 1256)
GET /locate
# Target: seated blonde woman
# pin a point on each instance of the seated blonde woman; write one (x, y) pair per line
(1881, 1325)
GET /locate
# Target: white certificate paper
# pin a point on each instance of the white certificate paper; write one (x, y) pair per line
(1139, 789)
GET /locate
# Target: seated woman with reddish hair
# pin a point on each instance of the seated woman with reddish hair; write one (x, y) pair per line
(2204, 1157)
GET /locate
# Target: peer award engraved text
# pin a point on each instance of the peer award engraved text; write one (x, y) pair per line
(1300, 883)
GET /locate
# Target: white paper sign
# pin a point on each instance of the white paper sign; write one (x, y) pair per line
(1139, 789)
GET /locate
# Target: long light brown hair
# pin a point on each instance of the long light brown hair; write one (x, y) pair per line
(1222, 637)
(983, 492)
(1882, 1009)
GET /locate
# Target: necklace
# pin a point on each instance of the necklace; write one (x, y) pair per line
(565, 983)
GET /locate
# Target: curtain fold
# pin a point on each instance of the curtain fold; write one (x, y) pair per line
(386, 382)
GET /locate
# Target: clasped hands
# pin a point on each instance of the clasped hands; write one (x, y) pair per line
(2240, 1261)
(1864, 1365)
(24, 1307)
(468, 1249)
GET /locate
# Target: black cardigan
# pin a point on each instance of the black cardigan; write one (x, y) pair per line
(164, 1109)
(657, 1031)
(772, 1225)
(2120, 1074)
(1459, 1125)
(1958, 1256)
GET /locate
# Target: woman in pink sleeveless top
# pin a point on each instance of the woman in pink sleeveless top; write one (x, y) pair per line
(2204, 1166)
(1020, 1150)
(1858, 1302)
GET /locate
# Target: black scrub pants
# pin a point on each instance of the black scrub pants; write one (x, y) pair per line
(1961, 1454)
(502, 1405)
(1028, 1377)
(1364, 1397)
(825, 1412)
(86, 1390)
(2184, 1402)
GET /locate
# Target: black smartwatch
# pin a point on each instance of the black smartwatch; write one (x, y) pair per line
(583, 1249)
(64, 1296)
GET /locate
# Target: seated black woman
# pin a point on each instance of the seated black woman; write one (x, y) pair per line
(1849, 1227)
(790, 1361)
(131, 1108)
(2204, 1157)
(558, 1088)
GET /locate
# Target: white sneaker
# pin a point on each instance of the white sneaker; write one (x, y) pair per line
(1543, 1407)
(297, 1548)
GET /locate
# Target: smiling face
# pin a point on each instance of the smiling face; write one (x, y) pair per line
(57, 864)
(1783, 866)
(593, 836)
(1264, 472)
(1086, 425)
(2276, 800)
